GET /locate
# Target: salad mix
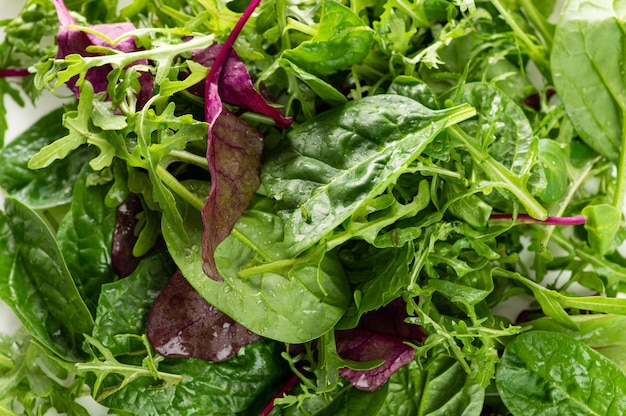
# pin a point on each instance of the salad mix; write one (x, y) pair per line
(291, 207)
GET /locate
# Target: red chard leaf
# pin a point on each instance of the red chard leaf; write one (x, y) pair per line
(380, 334)
(74, 41)
(234, 156)
(182, 324)
(234, 147)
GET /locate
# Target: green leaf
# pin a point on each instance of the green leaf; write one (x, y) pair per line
(346, 156)
(42, 188)
(588, 75)
(441, 387)
(545, 373)
(35, 283)
(602, 225)
(293, 300)
(554, 162)
(124, 305)
(342, 40)
(215, 388)
(85, 238)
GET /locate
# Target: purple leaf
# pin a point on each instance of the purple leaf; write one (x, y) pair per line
(73, 41)
(234, 147)
(124, 238)
(380, 334)
(235, 85)
(182, 324)
(234, 156)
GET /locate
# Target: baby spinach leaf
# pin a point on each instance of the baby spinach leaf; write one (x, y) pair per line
(288, 299)
(342, 39)
(440, 387)
(84, 238)
(47, 187)
(588, 76)
(214, 388)
(603, 223)
(346, 156)
(554, 162)
(37, 285)
(546, 373)
(123, 305)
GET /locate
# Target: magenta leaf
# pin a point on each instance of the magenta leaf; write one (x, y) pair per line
(124, 238)
(380, 334)
(235, 85)
(234, 147)
(234, 156)
(74, 41)
(182, 324)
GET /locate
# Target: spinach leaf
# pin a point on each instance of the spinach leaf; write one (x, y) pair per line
(207, 388)
(85, 238)
(588, 76)
(336, 162)
(546, 373)
(342, 40)
(123, 305)
(440, 387)
(43, 188)
(37, 285)
(288, 299)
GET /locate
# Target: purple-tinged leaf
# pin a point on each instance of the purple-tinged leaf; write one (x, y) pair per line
(235, 85)
(234, 158)
(182, 324)
(234, 149)
(124, 238)
(14, 72)
(74, 41)
(380, 334)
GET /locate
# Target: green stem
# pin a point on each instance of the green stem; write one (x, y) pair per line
(500, 174)
(539, 22)
(252, 245)
(620, 184)
(188, 157)
(178, 188)
(535, 52)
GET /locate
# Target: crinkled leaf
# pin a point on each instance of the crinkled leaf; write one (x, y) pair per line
(380, 334)
(346, 156)
(342, 39)
(578, 380)
(184, 325)
(47, 187)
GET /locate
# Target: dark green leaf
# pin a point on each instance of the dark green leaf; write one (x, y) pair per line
(545, 373)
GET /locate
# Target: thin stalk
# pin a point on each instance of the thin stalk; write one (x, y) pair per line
(539, 22)
(499, 173)
(188, 157)
(551, 220)
(620, 184)
(178, 188)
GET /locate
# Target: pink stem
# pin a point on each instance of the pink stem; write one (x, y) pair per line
(527, 219)
(293, 380)
(16, 72)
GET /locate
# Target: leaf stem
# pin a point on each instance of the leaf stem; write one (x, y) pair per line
(527, 219)
(180, 190)
(188, 157)
(499, 173)
(620, 184)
